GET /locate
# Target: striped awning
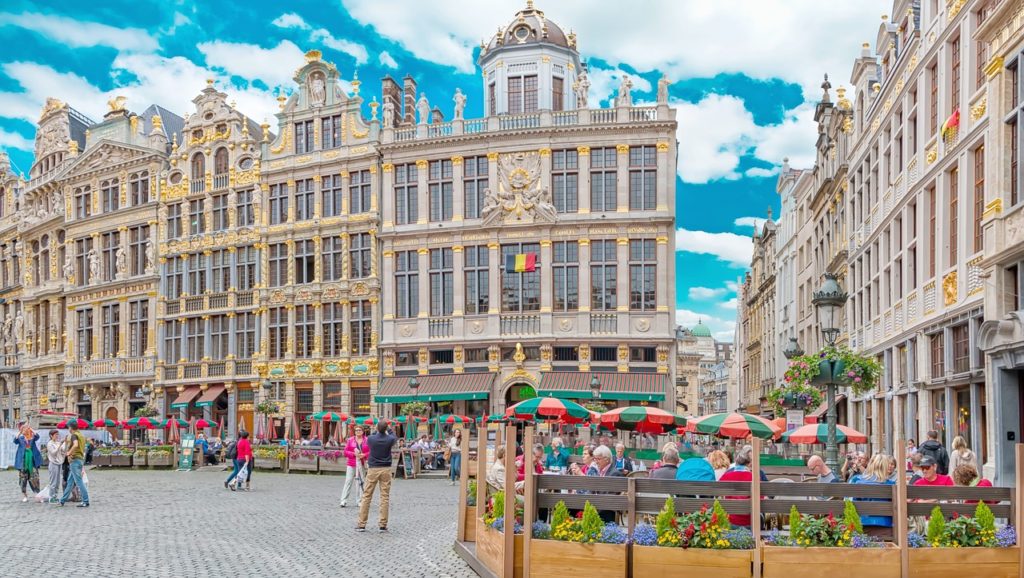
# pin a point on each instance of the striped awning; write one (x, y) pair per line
(210, 395)
(819, 412)
(447, 387)
(614, 385)
(185, 397)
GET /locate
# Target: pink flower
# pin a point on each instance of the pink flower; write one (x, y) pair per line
(856, 380)
(803, 364)
(789, 378)
(851, 374)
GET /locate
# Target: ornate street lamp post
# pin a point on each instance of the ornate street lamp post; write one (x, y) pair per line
(828, 302)
(595, 386)
(414, 385)
(793, 350)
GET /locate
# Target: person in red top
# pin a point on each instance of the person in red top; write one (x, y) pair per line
(930, 475)
(967, 475)
(244, 458)
(538, 463)
(739, 473)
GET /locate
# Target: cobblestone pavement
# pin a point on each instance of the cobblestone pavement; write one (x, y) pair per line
(164, 523)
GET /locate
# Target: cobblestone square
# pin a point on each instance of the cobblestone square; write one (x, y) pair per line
(166, 523)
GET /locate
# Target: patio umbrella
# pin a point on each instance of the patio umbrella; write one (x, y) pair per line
(203, 423)
(106, 422)
(493, 418)
(642, 419)
(168, 423)
(365, 421)
(220, 429)
(549, 408)
(449, 419)
(174, 432)
(293, 429)
(145, 422)
(82, 424)
(817, 433)
(733, 425)
(328, 416)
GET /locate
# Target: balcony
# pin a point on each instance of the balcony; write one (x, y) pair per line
(520, 324)
(604, 323)
(220, 181)
(9, 361)
(117, 368)
(439, 328)
(197, 186)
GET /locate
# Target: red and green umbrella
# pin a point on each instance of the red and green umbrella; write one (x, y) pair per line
(82, 424)
(817, 433)
(203, 423)
(493, 418)
(106, 422)
(549, 408)
(145, 422)
(642, 419)
(168, 423)
(404, 419)
(733, 425)
(365, 421)
(328, 416)
(451, 418)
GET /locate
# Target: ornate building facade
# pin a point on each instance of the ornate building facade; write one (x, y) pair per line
(757, 321)
(10, 292)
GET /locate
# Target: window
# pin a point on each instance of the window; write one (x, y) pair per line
(220, 270)
(361, 403)
(278, 204)
(305, 330)
(980, 57)
(954, 76)
(172, 342)
(407, 288)
(245, 335)
(220, 162)
(175, 272)
(491, 100)
(520, 291)
(331, 131)
(303, 401)
(277, 275)
(83, 207)
(442, 290)
(138, 188)
(933, 102)
(979, 197)
(198, 184)
(643, 354)
(954, 200)
(360, 327)
(197, 274)
(603, 275)
(111, 242)
(938, 362)
(110, 195)
(439, 184)
(220, 212)
(604, 354)
(359, 192)
(138, 239)
(219, 331)
(174, 221)
(476, 355)
(475, 183)
(643, 172)
(406, 194)
(931, 231)
(304, 199)
(442, 357)
(359, 255)
(332, 193)
(85, 350)
(1014, 300)
(196, 219)
(111, 334)
(195, 339)
(643, 266)
(1013, 128)
(333, 256)
(522, 94)
(557, 93)
(138, 328)
(305, 261)
(603, 179)
(477, 279)
(566, 353)
(244, 213)
(245, 267)
(961, 349)
(278, 331)
(334, 329)
(304, 137)
(565, 270)
(565, 180)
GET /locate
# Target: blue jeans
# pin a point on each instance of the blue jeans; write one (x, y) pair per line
(76, 480)
(456, 466)
(238, 466)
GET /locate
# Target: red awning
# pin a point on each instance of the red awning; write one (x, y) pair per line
(185, 397)
(210, 396)
(819, 412)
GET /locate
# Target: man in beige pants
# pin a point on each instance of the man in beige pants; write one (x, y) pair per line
(379, 472)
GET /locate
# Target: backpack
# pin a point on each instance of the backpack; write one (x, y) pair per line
(232, 452)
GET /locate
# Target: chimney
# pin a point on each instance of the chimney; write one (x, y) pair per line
(391, 93)
(409, 87)
(436, 116)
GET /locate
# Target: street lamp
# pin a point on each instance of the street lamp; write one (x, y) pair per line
(828, 302)
(595, 386)
(414, 385)
(793, 350)
(53, 397)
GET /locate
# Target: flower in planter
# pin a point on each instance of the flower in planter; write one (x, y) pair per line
(739, 539)
(1006, 537)
(541, 530)
(613, 534)
(915, 540)
(645, 535)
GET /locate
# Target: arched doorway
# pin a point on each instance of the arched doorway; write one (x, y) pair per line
(112, 414)
(519, 391)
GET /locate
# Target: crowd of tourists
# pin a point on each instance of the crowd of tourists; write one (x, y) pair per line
(65, 460)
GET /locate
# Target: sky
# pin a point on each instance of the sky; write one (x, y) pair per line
(745, 75)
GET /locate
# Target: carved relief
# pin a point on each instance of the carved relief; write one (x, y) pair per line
(950, 288)
(520, 197)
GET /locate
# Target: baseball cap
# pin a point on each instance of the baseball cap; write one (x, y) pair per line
(927, 462)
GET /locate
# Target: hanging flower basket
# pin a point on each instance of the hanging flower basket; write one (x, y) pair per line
(789, 396)
(839, 365)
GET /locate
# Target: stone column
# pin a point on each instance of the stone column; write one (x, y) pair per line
(232, 421)
(233, 269)
(423, 198)
(97, 332)
(665, 201)
(122, 326)
(317, 259)
(459, 288)
(583, 180)
(232, 336)
(424, 288)
(494, 277)
(290, 341)
(388, 296)
(622, 285)
(622, 177)
(662, 277)
(546, 284)
(458, 189)
(387, 194)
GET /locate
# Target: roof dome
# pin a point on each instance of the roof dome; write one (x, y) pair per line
(530, 27)
(700, 330)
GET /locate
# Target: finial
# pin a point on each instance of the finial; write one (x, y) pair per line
(281, 99)
(769, 213)
(885, 17)
(355, 82)
(209, 82)
(529, 4)
(313, 55)
(824, 87)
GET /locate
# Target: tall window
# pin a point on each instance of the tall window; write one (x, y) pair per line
(305, 261)
(360, 327)
(220, 270)
(359, 192)
(938, 353)
(565, 271)
(933, 99)
(138, 327)
(277, 275)
(407, 288)
(219, 331)
(244, 214)
(492, 100)
(278, 331)
(111, 336)
(85, 350)
(245, 267)
(980, 58)
(172, 342)
(522, 94)
(304, 137)
(305, 330)
(220, 162)
(406, 194)
(220, 212)
(110, 195)
(137, 239)
(198, 175)
(979, 197)
(439, 184)
(175, 271)
(954, 76)
(442, 282)
(478, 285)
(304, 192)
(83, 207)
(603, 275)
(138, 188)
(332, 252)
(245, 335)
(961, 349)
(643, 267)
(565, 180)
(334, 329)
(557, 93)
(111, 242)
(475, 182)
(278, 203)
(359, 255)
(197, 274)
(331, 131)
(643, 172)
(195, 338)
(603, 179)
(174, 221)
(954, 202)
(1012, 126)
(332, 192)
(196, 219)
(931, 231)
(519, 291)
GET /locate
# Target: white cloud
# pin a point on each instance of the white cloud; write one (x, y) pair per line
(730, 304)
(81, 34)
(730, 247)
(755, 222)
(38, 82)
(706, 292)
(713, 134)
(13, 140)
(273, 66)
(604, 83)
(290, 20)
(357, 51)
(759, 172)
(732, 286)
(719, 326)
(793, 138)
(387, 60)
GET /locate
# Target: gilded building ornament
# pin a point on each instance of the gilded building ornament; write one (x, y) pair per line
(520, 196)
(994, 66)
(931, 155)
(978, 110)
(950, 288)
(994, 207)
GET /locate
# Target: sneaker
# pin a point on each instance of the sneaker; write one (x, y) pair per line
(342, 504)
(358, 529)
(60, 503)
(24, 499)
(83, 505)
(382, 530)
(225, 485)
(231, 487)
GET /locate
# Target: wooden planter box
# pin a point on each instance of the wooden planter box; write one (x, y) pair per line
(490, 548)
(139, 459)
(160, 460)
(339, 465)
(100, 460)
(302, 463)
(470, 523)
(790, 562)
(121, 461)
(557, 558)
(658, 562)
(960, 562)
(269, 464)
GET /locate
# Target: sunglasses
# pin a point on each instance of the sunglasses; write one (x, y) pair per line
(927, 467)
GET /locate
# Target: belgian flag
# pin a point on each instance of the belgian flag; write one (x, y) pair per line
(521, 263)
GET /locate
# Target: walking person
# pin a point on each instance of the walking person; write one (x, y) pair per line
(76, 455)
(356, 451)
(55, 465)
(243, 459)
(455, 464)
(27, 459)
(933, 449)
(231, 453)
(379, 472)
(962, 455)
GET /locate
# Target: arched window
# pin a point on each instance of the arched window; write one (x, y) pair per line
(198, 166)
(35, 263)
(220, 161)
(44, 259)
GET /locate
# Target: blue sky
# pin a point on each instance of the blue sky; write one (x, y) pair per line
(745, 78)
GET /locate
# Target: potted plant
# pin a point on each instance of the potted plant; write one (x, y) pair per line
(836, 364)
(793, 396)
(557, 550)
(139, 457)
(332, 461)
(699, 543)
(160, 456)
(303, 459)
(470, 520)
(121, 457)
(490, 537)
(146, 411)
(417, 408)
(101, 457)
(269, 457)
(966, 546)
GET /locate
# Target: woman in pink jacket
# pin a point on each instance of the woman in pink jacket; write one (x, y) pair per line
(356, 451)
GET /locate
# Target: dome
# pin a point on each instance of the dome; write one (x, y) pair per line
(530, 27)
(700, 330)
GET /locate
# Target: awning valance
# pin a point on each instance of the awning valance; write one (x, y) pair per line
(447, 387)
(819, 412)
(625, 386)
(210, 395)
(185, 397)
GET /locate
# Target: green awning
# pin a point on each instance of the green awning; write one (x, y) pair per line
(185, 397)
(614, 385)
(449, 387)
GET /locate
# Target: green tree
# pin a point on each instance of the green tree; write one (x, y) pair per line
(851, 517)
(936, 527)
(591, 525)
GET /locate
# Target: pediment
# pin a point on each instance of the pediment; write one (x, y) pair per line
(106, 154)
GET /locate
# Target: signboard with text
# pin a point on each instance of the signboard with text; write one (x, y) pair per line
(187, 452)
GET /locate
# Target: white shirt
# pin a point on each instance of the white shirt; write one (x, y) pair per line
(55, 452)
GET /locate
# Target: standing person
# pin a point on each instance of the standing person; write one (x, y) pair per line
(27, 459)
(379, 472)
(76, 456)
(55, 464)
(231, 453)
(244, 458)
(933, 449)
(356, 450)
(455, 462)
(962, 455)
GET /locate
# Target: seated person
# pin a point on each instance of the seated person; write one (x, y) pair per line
(559, 456)
(669, 465)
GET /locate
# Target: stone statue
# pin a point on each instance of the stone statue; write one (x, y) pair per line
(69, 266)
(423, 107)
(625, 98)
(582, 88)
(19, 325)
(460, 103)
(121, 262)
(389, 114)
(257, 205)
(150, 254)
(663, 84)
(56, 205)
(317, 90)
(94, 266)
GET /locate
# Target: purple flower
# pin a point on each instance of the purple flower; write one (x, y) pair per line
(1006, 537)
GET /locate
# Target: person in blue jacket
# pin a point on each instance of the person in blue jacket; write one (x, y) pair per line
(695, 470)
(28, 460)
(876, 473)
